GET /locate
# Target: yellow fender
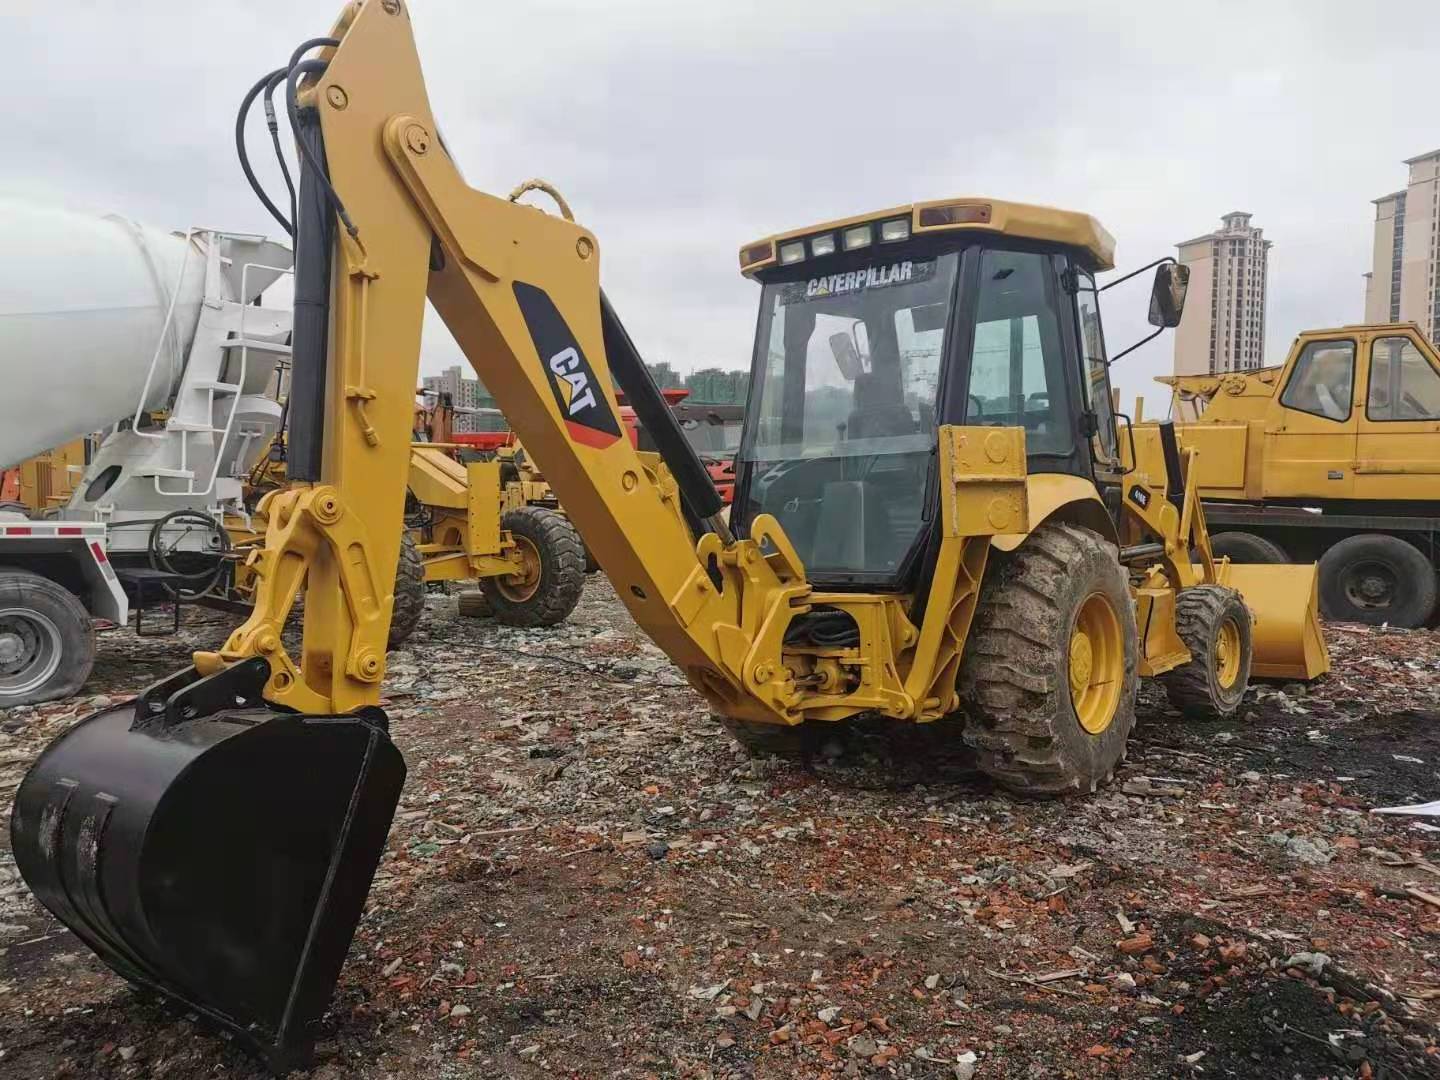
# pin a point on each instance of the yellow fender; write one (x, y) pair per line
(1072, 498)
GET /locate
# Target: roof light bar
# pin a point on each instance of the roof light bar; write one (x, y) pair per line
(823, 245)
(792, 253)
(858, 237)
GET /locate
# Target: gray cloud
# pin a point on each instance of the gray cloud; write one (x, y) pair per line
(680, 131)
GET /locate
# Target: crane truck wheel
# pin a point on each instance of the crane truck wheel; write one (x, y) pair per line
(1215, 625)
(47, 641)
(1049, 670)
(409, 592)
(1243, 547)
(1375, 578)
(549, 587)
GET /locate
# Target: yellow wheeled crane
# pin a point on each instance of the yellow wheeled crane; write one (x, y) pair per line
(932, 522)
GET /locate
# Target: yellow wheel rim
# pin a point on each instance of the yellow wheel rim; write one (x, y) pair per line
(1227, 654)
(1097, 663)
(521, 586)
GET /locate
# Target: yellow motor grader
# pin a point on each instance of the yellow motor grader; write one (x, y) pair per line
(933, 521)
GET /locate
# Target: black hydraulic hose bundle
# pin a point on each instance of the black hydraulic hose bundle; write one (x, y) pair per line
(697, 490)
(310, 326)
(265, 84)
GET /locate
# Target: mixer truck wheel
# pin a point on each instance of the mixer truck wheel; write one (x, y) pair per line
(409, 592)
(1375, 578)
(1215, 625)
(548, 586)
(1243, 547)
(1048, 675)
(47, 642)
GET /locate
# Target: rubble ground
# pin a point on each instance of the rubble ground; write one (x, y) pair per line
(586, 879)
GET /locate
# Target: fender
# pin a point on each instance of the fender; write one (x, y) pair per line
(1069, 498)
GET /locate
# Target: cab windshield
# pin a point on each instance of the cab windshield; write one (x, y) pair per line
(844, 424)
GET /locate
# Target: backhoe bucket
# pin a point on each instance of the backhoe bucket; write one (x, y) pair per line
(221, 859)
(1288, 642)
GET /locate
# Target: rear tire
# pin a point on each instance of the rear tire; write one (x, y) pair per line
(1376, 579)
(557, 571)
(47, 641)
(409, 592)
(1215, 625)
(1027, 676)
(1243, 547)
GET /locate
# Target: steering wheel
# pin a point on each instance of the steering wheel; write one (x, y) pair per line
(979, 405)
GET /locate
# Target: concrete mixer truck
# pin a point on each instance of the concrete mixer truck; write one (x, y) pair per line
(161, 340)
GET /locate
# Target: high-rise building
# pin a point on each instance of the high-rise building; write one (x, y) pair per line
(1404, 281)
(464, 393)
(1224, 324)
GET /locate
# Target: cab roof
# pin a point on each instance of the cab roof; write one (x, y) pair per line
(1079, 232)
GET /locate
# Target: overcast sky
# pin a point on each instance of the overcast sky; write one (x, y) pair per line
(679, 131)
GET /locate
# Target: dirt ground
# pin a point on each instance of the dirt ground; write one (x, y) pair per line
(585, 879)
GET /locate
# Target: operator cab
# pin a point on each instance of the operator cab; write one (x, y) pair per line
(876, 329)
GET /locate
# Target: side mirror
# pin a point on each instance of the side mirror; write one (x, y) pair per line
(847, 357)
(1167, 295)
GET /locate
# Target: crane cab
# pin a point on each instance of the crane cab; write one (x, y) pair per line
(876, 329)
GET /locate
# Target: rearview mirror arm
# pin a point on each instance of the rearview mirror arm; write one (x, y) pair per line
(1126, 352)
(1136, 273)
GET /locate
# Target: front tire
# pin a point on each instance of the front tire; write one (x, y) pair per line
(549, 588)
(1376, 579)
(1215, 625)
(47, 641)
(1049, 671)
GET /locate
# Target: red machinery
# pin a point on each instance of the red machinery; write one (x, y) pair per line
(713, 430)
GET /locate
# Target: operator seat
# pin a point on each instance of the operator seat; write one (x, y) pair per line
(879, 409)
(869, 518)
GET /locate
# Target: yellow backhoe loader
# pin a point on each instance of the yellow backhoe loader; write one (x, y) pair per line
(932, 522)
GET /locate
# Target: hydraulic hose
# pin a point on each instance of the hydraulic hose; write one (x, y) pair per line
(196, 584)
(260, 86)
(655, 416)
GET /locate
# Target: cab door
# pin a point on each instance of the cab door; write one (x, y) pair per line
(1398, 453)
(1311, 431)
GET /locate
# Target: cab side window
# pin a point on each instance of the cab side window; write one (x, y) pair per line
(1095, 368)
(1323, 382)
(1403, 385)
(1017, 357)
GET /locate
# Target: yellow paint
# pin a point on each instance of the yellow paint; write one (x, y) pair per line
(1253, 447)
(1048, 493)
(1066, 228)
(1096, 663)
(48, 479)
(720, 610)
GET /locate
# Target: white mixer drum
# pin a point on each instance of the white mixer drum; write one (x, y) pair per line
(83, 309)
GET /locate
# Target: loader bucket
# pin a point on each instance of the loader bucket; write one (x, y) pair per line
(1288, 642)
(221, 860)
